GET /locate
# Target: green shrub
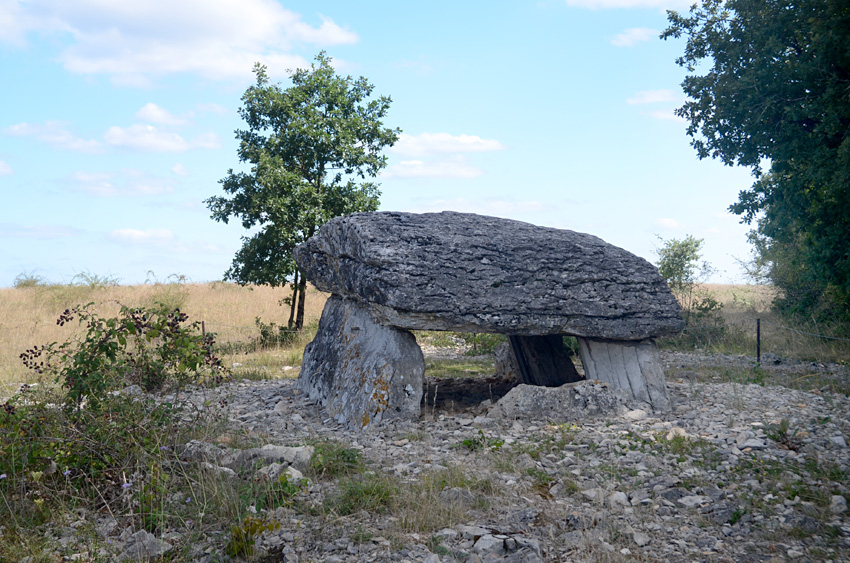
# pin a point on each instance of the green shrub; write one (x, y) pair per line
(149, 347)
(29, 279)
(334, 459)
(272, 335)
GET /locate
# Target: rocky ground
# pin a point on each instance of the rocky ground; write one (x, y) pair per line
(736, 472)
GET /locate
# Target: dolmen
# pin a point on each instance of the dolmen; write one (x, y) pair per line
(389, 273)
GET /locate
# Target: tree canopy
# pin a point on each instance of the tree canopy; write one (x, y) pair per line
(769, 87)
(311, 148)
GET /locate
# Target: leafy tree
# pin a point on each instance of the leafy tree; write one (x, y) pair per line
(776, 89)
(310, 147)
(679, 263)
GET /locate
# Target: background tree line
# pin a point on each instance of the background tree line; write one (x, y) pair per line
(775, 97)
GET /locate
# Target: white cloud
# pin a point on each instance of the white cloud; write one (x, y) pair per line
(135, 40)
(652, 97)
(5, 168)
(152, 113)
(141, 235)
(206, 141)
(179, 170)
(129, 183)
(148, 138)
(431, 143)
(668, 223)
(212, 107)
(53, 133)
(633, 36)
(667, 114)
(452, 168)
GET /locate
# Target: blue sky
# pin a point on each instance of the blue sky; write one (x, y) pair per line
(117, 122)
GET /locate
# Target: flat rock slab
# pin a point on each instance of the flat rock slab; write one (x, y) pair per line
(360, 371)
(472, 273)
(632, 366)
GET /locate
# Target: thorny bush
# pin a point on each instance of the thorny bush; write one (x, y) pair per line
(151, 347)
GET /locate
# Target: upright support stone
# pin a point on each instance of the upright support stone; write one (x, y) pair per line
(633, 366)
(360, 371)
(543, 360)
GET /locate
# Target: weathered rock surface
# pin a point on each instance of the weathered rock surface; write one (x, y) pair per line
(471, 273)
(631, 366)
(361, 371)
(573, 402)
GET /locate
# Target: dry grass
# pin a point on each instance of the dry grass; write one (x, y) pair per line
(28, 317)
(742, 305)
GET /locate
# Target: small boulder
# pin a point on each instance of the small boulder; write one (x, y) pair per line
(568, 403)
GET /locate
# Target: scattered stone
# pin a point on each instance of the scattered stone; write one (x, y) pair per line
(838, 441)
(715, 502)
(143, 546)
(838, 504)
(641, 539)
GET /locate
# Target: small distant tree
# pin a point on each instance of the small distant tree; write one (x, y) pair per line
(310, 147)
(680, 264)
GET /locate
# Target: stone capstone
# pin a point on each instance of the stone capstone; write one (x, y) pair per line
(361, 371)
(471, 273)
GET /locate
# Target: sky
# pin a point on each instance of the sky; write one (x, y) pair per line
(117, 121)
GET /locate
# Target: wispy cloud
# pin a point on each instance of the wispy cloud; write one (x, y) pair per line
(179, 170)
(149, 138)
(5, 168)
(152, 113)
(133, 43)
(129, 183)
(668, 223)
(432, 143)
(451, 168)
(54, 133)
(635, 35)
(653, 97)
(141, 235)
(11, 230)
(667, 114)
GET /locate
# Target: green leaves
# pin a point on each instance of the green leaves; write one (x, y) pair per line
(149, 347)
(776, 90)
(309, 147)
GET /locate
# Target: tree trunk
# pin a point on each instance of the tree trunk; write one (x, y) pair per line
(301, 294)
(292, 300)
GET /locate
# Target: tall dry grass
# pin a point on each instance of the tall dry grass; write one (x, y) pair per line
(734, 330)
(28, 317)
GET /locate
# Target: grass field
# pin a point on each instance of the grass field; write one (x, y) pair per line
(28, 317)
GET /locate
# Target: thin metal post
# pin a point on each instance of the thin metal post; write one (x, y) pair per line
(203, 329)
(758, 342)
